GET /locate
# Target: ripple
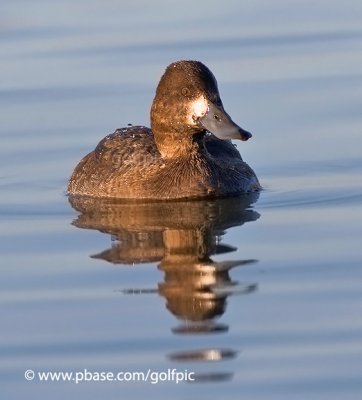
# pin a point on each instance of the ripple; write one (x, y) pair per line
(216, 43)
(311, 198)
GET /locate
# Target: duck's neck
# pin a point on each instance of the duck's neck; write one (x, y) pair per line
(176, 145)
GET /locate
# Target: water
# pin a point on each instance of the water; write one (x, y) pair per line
(259, 298)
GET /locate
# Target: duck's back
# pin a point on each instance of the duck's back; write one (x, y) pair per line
(113, 168)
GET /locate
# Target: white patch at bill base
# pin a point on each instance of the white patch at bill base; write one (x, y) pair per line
(198, 108)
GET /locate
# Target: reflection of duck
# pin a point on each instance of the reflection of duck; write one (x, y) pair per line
(177, 159)
(200, 295)
(181, 236)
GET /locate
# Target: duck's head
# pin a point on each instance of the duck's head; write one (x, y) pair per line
(186, 105)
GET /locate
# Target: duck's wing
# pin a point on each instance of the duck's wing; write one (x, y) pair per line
(127, 148)
(236, 172)
(223, 149)
(120, 160)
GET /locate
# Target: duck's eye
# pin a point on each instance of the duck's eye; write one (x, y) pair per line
(185, 92)
(217, 118)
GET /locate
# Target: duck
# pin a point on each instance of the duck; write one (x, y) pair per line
(187, 154)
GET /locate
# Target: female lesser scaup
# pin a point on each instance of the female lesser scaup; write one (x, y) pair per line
(178, 158)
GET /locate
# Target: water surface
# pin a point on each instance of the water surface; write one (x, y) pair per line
(259, 297)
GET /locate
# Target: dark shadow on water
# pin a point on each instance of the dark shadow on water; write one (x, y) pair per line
(181, 237)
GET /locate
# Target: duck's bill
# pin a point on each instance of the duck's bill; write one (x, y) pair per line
(219, 123)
